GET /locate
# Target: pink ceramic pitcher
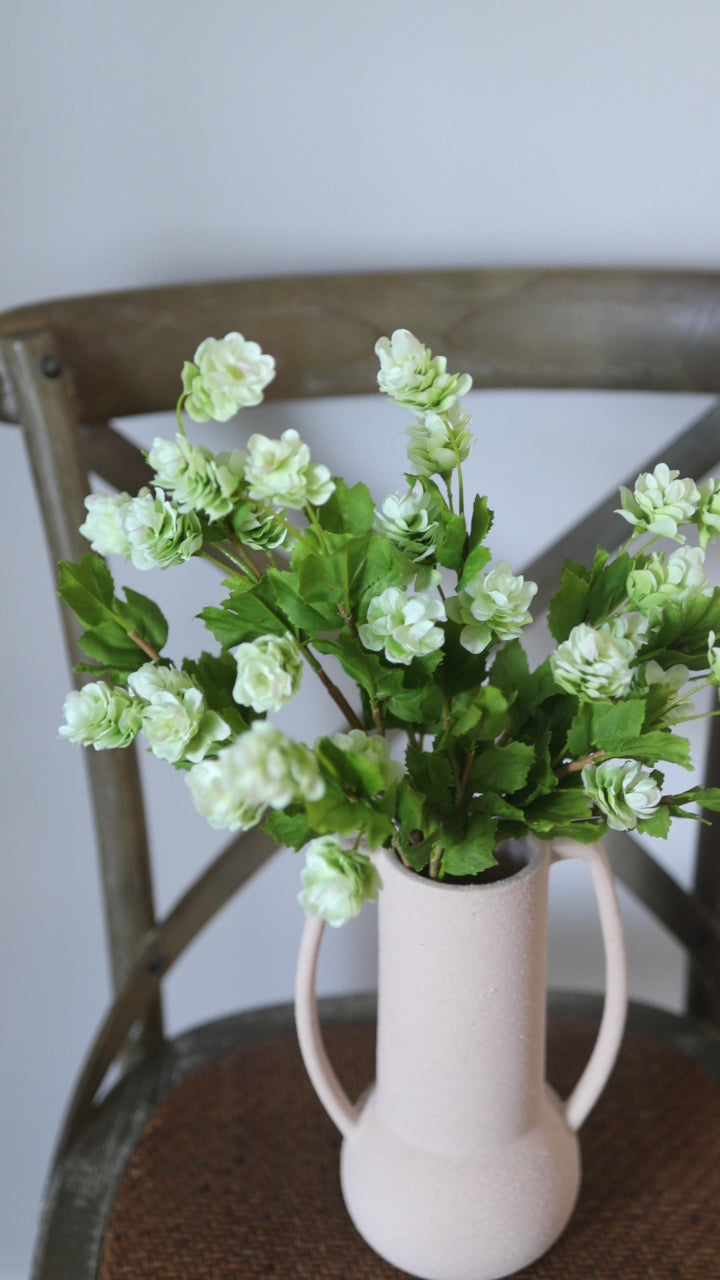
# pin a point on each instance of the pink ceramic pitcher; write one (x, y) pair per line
(461, 1163)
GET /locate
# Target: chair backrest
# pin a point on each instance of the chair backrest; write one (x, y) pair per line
(69, 367)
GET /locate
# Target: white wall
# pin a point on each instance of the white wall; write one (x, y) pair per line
(156, 141)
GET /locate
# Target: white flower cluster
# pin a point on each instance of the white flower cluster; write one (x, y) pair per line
(262, 769)
(493, 606)
(593, 663)
(336, 881)
(679, 577)
(660, 502)
(440, 442)
(149, 530)
(269, 672)
(100, 716)
(198, 479)
(175, 717)
(164, 703)
(407, 521)
(225, 375)
(403, 626)
(280, 472)
(623, 791)
(414, 378)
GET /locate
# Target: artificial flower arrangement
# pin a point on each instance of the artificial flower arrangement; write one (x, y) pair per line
(406, 598)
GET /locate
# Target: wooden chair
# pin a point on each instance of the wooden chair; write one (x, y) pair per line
(184, 1170)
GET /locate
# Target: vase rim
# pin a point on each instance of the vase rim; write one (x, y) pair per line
(387, 859)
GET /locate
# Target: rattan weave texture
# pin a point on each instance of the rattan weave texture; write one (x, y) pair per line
(236, 1175)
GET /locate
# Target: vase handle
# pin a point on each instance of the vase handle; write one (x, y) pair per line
(602, 1059)
(317, 1064)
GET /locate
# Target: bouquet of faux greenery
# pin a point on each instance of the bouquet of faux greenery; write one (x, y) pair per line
(406, 599)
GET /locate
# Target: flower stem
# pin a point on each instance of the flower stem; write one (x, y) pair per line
(578, 765)
(143, 644)
(336, 694)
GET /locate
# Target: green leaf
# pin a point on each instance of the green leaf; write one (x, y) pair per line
(559, 808)
(417, 706)
(708, 798)
(502, 769)
(335, 814)
(109, 644)
(460, 670)
(292, 830)
(608, 588)
(472, 853)
(657, 745)
(357, 774)
(616, 723)
(569, 606)
(431, 772)
(145, 617)
(88, 589)
(410, 811)
(314, 618)
(245, 615)
(216, 675)
(450, 544)
(348, 510)
(658, 825)
(480, 715)
(580, 736)
(481, 522)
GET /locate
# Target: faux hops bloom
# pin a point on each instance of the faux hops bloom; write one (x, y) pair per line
(412, 376)
(403, 626)
(623, 791)
(175, 717)
(226, 375)
(439, 442)
(263, 769)
(269, 672)
(197, 479)
(336, 881)
(660, 502)
(677, 578)
(158, 534)
(103, 526)
(593, 664)
(707, 515)
(100, 716)
(406, 520)
(493, 606)
(280, 472)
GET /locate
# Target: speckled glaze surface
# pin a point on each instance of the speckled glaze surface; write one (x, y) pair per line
(461, 1164)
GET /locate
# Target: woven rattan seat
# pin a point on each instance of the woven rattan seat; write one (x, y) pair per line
(236, 1174)
(211, 1157)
